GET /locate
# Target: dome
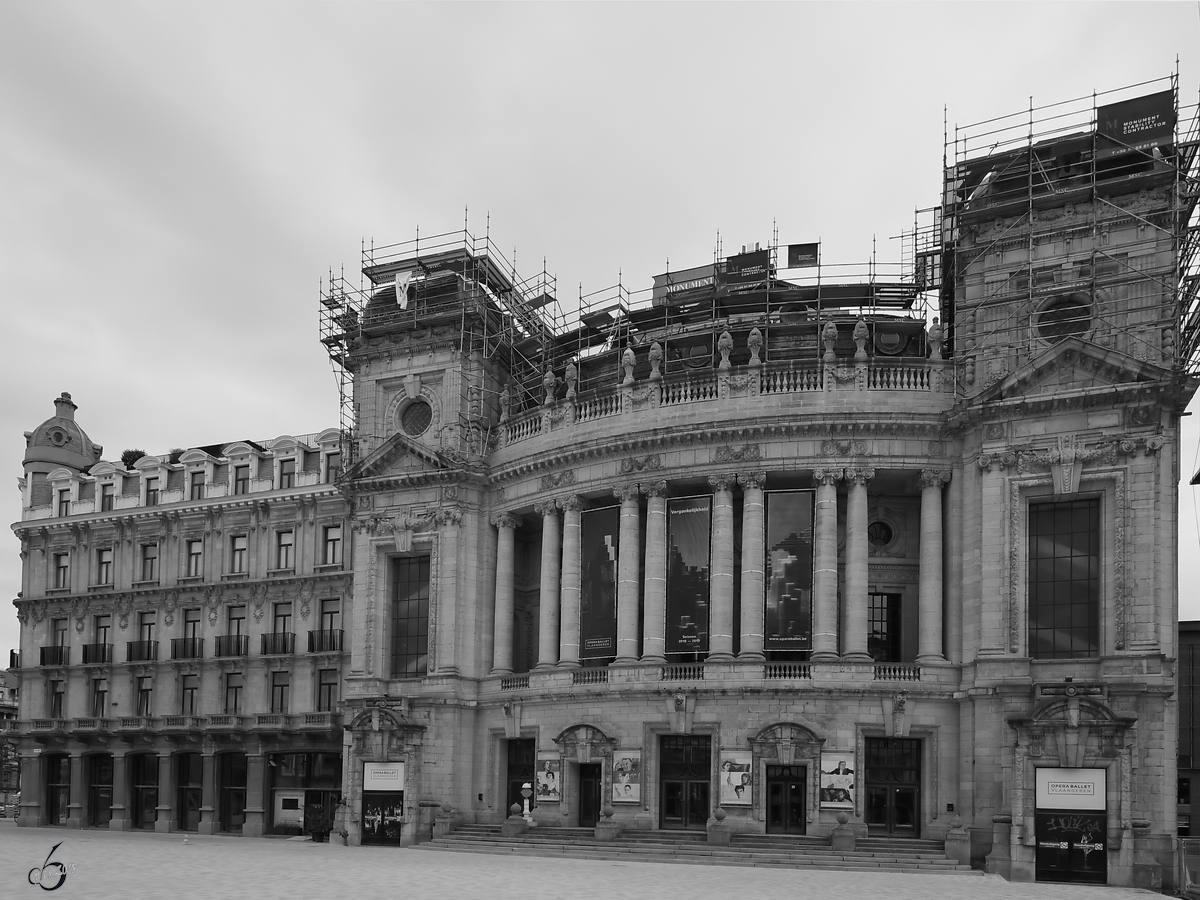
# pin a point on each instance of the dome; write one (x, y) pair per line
(59, 441)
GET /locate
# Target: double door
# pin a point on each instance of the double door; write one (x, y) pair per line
(786, 812)
(685, 781)
(893, 786)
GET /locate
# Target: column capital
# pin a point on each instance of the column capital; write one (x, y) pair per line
(546, 508)
(858, 474)
(570, 503)
(934, 478)
(506, 520)
(654, 489)
(723, 482)
(626, 492)
(826, 476)
(751, 479)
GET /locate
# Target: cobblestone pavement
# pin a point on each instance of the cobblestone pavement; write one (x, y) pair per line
(137, 866)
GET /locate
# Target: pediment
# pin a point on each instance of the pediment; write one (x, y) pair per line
(1074, 365)
(399, 455)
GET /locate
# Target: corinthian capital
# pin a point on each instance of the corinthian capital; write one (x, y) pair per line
(723, 482)
(546, 508)
(828, 477)
(570, 503)
(933, 478)
(654, 489)
(506, 520)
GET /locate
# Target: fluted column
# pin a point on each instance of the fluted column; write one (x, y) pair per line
(628, 568)
(502, 627)
(654, 628)
(753, 564)
(857, 605)
(548, 602)
(825, 605)
(568, 645)
(720, 638)
(952, 591)
(929, 647)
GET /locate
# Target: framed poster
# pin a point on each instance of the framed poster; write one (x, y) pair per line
(787, 608)
(627, 776)
(549, 778)
(688, 550)
(837, 780)
(736, 778)
(599, 535)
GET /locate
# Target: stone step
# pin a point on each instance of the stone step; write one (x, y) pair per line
(640, 848)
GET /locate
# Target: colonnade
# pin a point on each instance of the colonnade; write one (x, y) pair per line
(561, 571)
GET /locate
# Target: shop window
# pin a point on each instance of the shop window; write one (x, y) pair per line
(1064, 579)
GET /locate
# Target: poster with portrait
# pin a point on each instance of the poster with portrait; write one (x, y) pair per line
(837, 780)
(599, 535)
(549, 778)
(627, 776)
(736, 777)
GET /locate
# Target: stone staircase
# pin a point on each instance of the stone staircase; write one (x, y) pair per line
(775, 851)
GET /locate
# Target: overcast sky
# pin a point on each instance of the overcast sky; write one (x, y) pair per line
(175, 179)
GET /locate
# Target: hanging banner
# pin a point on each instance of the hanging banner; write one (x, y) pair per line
(674, 285)
(748, 268)
(800, 256)
(1137, 124)
(599, 534)
(788, 605)
(689, 527)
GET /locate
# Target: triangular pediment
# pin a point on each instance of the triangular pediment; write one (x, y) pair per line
(1074, 365)
(399, 455)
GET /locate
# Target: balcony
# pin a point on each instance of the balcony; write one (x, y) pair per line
(95, 654)
(55, 656)
(92, 724)
(278, 644)
(325, 641)
(897, 672)
(276, 722)
(14, 659)
(318, 721)
(141, 651)
(50, 726)
(232, 645)
(187, 648)
(230, 722)
(183, 723)
(135, 724)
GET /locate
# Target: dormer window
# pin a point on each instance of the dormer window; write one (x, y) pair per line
(64, 502)
(287, 474)
(196, 485)
(108, 494)
(152, 491)
(241, 479)
(333, 467)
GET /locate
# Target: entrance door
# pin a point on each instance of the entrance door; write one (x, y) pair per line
(685, 766)
(589, 795)
(1070, 846)
(893, 786)
(786, 813)
(522, 760)
(189, 773)
(144, 775)
(100, 790)
(58, 788)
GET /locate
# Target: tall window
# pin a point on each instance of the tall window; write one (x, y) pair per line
(1064, 579)
(149, 562)
(410, 616)
(191, 624)
(57, 696)
(331, 614)
(152, 492)
(103, 626)
(281, 686)
(62, 570)
(144, 695)
(233, 693)
(883, 642)
(283, 618)
(332, 555)
(99, 697)
(241, 479)
(333, 467)
(58, 632)
(237, 554)
(146, 626)
(287, 473)
(195, 558)
(237, 620)
(189, 687)
(196, 485)
(64, 502)
(108, 493)
(104, 562)
(327, 684)
(284, 545)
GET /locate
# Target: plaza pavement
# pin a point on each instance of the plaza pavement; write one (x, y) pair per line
(138, 866)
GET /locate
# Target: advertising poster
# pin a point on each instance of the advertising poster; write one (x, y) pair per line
(736, 778)
(748, 268)
(787, 609)
(837, 780)
(1139, 124)
(800, 256)
(549, 778)
(627, 776)
(670, 286)
(599, 535)
(382, 816)
(689, 527)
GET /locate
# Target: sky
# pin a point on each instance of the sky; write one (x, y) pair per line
(177, 178)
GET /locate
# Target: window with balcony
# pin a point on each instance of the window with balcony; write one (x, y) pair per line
(233, 694)
(410, 616)
(1064, 579)
(64, 502)
(241, 479)
(101, 650)
(237, 620)
(287, 474)
(58, 632)
(149, 562)
(108, 494)
(196, 485)
(103, 626)
(145, 648)
(331, 614)
(329, 636)
(195, 558)
(99, 698)
(62, 571)
(57, 699)
(332, 544)
(237, 554)
(104, 566)
(152, 491)
(191, 645)
(281, 687)
(327, 685)
(284, 547)
(281, 639)
(145, 688)
(234, 642)
(189, 690)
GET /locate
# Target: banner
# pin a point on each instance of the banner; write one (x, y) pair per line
(837, 780)
(689, 527)
(748, 268)
(599, 535)
(1137, 124)
(788, 604)
(669, 286)
(383, 776)
(803, 255)
(627, 776)
(1070, 788)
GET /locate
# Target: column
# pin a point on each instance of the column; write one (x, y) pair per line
(720, 638)
(572, 572)
(753, 562)
(120, 793)
(208, 794)
(164, 811)
(33, 810)
(825, 600)
(629, 550)
(952, 588)
(857, 611)
(76, 805)
(548, 618)
(929, 648)
(255, 812)
(502, 627)
(654, 629)
(447, 596)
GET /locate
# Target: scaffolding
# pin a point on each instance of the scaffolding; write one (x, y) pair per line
(1073, 220)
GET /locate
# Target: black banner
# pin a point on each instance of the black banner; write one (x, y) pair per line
(802, 255)
(673, 286)
(788, 607)
(689, 533)
(748, 268)
(1137, 124)
(599, 536)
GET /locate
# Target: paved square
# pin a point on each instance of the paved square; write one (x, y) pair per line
(136, 866)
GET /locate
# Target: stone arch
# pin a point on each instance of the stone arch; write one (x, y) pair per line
(786, 744)
(582, 743)
(401, 400)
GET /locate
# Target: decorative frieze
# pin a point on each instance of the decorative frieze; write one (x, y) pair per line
(638, 464)
(746, 453)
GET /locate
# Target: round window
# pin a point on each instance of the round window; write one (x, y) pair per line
(1064, 317)
(880, 534)
(416, 418)
(58, 437)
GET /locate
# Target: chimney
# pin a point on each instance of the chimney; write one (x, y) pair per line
(64, 408)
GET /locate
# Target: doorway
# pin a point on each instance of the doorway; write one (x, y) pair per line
(786, 810)
(685, 766)
(1070, 846)
(144, 778)
(522, 760)
(893, 787)
(590, 782)
(189, 780)
(100, 790)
